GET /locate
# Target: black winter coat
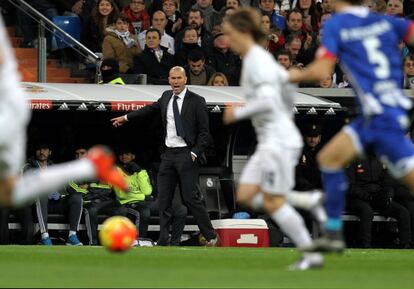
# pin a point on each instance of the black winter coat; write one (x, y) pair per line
(157, 72)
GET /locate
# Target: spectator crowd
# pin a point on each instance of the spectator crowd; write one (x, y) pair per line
(150, 37)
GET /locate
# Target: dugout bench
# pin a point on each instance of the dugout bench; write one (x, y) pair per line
(216, 191)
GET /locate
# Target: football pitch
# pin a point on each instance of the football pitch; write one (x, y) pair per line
(37, 266)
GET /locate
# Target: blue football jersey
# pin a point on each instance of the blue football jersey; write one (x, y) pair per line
(366, 45)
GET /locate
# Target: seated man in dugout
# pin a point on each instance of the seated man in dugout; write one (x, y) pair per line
(138, 199)
(98, 199)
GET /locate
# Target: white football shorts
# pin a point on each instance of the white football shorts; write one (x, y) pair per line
(272, 169)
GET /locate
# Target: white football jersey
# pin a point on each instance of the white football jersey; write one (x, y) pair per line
(269, 100)
(13, 103)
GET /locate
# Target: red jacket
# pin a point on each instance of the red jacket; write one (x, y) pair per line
(273, 47)
(144, 17)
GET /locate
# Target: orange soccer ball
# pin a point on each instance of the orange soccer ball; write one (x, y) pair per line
(118, 234)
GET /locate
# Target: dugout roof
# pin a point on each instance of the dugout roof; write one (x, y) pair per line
(93, 97)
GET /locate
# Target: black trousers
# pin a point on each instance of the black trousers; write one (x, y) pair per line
(365, 211)
(25, 217)
(409, 205)
(141, 212)
(178, 168)
(92, 210)
(70, 206)
(177, 217)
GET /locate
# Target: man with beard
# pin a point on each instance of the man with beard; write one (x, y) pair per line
(110, 72)
(57, 202)
(308, 175)
(196, 20)
(211, 16)
(197, 71)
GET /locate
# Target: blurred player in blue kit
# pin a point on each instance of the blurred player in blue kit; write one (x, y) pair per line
(366, 45)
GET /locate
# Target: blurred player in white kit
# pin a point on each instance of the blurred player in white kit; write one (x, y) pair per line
(269, 176)
(14, 118)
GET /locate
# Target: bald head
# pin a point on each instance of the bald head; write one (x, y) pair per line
(177, 69)
(159, 21)
(177, 79)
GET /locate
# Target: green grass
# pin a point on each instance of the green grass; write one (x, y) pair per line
(38, 266)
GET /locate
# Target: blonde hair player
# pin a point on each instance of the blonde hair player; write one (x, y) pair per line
(269, 176)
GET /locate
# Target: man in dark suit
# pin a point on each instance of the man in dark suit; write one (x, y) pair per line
(154, 61)
(186, 130)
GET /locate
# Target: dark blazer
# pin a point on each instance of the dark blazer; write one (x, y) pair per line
(194, 116)
(157, 72)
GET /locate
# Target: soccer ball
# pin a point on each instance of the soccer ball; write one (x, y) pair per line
(118, 234)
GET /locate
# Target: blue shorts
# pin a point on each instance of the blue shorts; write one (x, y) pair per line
(384, 135)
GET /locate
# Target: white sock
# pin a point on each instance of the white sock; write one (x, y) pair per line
(301, 200)
(319, 214)
(45, 235)
(257, 203)
(41, 182)
(292, 225)
(72, 233)
(307, 201)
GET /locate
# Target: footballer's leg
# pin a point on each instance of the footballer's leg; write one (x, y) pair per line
(247, 195)
(292, 224)
(277, 181)
(98, 164)
(332, 159)
(311, 201)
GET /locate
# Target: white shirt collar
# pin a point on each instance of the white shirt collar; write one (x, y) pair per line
(359, 11)
(182, 94)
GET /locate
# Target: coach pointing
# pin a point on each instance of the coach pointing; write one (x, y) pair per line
(186, 129)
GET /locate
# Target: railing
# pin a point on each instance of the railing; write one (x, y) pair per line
(46, 24)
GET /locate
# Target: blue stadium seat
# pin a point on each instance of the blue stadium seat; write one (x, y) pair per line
(71, 25)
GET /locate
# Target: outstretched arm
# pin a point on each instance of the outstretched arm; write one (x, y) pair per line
(324, 65)
(146, 111)
(261, 103)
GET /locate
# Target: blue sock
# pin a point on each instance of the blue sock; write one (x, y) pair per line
(335, 184)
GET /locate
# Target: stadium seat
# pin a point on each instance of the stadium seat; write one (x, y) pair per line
(210, 188)
(71, 25)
